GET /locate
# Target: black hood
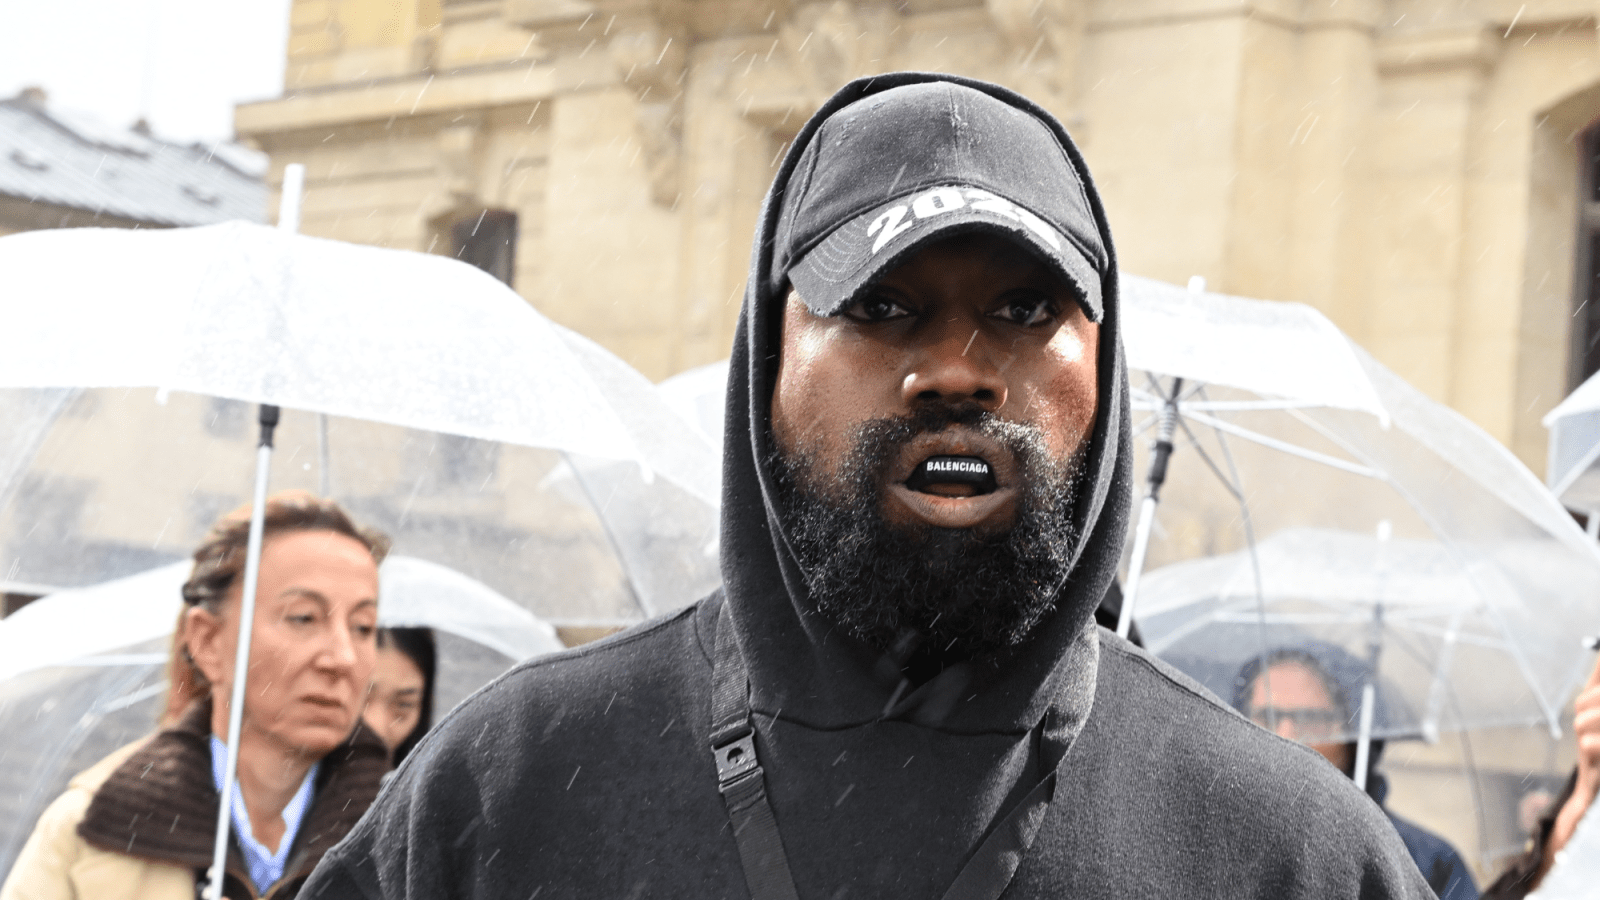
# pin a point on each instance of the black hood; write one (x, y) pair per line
(802, 668)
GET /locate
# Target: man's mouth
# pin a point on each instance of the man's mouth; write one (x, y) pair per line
(956, 478)
(953, 476)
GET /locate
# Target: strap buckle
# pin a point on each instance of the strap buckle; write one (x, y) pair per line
(736, 758)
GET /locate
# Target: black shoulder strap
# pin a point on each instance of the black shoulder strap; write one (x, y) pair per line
(739, 774)
(743, 783)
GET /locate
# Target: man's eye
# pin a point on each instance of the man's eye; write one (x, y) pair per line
(876, 308)
(1028, 310)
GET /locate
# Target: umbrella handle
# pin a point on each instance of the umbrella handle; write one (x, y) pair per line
(241, 653)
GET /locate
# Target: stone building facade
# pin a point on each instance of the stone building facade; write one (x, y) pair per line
(1413, 168)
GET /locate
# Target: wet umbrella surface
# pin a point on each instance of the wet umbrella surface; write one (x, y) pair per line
(1434, 541)
(453, 364)
(98, 484)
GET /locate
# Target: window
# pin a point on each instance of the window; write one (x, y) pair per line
(488, 240)
(1586, 299)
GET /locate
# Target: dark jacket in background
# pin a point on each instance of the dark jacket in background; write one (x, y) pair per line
(590, 774)
(1446, 871)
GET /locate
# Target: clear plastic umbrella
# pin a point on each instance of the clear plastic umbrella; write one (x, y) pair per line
(1311, 494)
(1403, 598)
(1282, 423)
(1573, 470)
(262, 315)
(83, 672)
(265, 315)
(102, 483)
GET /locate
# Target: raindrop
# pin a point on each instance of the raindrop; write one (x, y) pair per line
(844, 795)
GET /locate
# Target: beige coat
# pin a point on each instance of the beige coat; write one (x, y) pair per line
(140, 823)
(57, 864)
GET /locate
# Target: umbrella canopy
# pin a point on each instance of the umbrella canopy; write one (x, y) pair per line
(263, 315)
(83, 672)
(1328, 501)
(1573, 471)
(1286, 424)
(466, 374)
(1407, 598)
(105, 483)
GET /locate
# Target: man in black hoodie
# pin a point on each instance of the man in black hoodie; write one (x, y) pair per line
(899, 691)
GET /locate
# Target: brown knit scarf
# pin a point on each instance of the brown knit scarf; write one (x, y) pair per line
(161, 804)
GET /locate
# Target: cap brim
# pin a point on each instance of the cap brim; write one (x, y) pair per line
(836, 272)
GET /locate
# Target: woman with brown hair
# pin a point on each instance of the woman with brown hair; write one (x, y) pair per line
(141, 822)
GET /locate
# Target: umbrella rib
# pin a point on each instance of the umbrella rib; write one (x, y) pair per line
(1250, 544)
(1286, 447)
(1252, 405)
(605, 526)
(1194, 441)
(13, 483)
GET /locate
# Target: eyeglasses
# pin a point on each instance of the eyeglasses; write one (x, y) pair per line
(1309, 723)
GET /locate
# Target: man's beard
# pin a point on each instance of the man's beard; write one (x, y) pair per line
(929, 596)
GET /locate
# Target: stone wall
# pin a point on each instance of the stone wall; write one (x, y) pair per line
(1407, 167)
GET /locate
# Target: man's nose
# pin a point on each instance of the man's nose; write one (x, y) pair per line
(956, 362)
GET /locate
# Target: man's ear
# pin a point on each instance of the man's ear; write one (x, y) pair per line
(205, 632)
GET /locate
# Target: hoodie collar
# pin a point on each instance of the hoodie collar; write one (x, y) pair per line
(801, 667)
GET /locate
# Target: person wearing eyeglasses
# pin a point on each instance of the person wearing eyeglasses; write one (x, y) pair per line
(1311, 694)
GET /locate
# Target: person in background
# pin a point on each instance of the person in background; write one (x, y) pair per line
(400, 705)
(1523, 875)
(1310, 693)
(141, 822)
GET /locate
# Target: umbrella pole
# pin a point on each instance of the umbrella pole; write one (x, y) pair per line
(1369, 697)
(241, 654)
(1364, 735)
(1160, 453)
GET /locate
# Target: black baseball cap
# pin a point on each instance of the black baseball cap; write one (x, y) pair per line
(891, 172)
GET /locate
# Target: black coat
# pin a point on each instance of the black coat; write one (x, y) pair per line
(590, 773)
